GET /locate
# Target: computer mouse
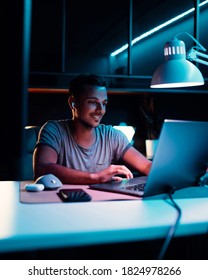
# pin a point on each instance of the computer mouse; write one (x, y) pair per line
(50, 182)
(34, 187)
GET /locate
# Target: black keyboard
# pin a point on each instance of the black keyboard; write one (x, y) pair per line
(135, 187)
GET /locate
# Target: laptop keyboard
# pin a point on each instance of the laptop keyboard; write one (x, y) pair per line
(136, 187)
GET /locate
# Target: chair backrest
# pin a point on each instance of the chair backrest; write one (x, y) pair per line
(31, 135)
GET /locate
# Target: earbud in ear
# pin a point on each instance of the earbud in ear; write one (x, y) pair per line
(72, 104)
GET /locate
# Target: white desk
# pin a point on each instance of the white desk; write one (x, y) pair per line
(52, 225)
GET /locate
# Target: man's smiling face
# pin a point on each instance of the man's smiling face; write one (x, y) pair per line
(91, 106)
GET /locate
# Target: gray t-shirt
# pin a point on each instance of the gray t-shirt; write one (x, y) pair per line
(108, 148)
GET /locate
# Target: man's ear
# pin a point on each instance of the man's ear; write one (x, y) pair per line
(71, 102)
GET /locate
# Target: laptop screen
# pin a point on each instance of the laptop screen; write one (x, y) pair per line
(181, 156)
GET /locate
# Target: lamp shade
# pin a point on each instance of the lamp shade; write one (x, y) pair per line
(176, 71)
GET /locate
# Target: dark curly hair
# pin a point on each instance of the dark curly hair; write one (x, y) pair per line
(77, 84)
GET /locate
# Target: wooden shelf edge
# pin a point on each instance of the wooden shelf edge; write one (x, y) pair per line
(66, 91)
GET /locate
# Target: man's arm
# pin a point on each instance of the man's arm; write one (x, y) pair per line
(45, 162)
(134, 159)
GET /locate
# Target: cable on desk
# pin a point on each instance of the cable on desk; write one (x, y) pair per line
(172, 228)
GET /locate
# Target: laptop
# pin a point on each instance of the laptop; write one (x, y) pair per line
(181, 158)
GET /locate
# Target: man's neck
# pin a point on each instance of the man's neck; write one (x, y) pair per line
(83, 135)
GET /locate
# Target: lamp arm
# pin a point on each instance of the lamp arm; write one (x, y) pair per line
(201, 61)
(201, 47)
(201, 54)
(192, 56)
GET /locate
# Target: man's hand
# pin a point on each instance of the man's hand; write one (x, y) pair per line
(112, 173)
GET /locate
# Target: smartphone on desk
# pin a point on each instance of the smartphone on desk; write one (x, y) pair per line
(74, 195)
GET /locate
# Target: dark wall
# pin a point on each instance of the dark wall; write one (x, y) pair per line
(70, 37)
(121, 108)
(14, 100)
(124, 108)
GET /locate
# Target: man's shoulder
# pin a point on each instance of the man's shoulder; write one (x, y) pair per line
(104, 128)
(108, 130)
(57, 123)
(54, 126)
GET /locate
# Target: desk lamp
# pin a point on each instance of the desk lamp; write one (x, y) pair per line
(177, 70)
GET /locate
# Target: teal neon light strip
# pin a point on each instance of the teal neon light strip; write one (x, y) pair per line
(148, 33)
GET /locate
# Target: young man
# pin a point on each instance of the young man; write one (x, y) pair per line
(81, 150)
